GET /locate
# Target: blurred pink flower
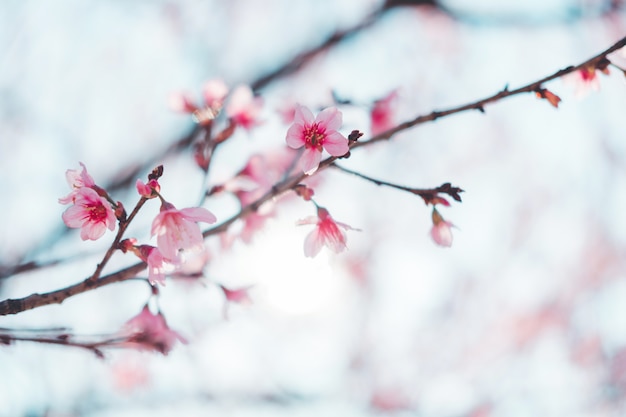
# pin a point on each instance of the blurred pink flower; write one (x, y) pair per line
(76, 180)
(214, 92)
(584, 81)
(145, 190)
(90, 212)
(441, 231)
(182, 103)
(178, 230)
(382, 114)
(150, 332)
(244, 108)
(240, 295)
(326, 232)
(129, 374)
(158, 266)
(316, 134)
(287, 111)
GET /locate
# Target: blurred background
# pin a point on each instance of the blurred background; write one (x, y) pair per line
(525, 315)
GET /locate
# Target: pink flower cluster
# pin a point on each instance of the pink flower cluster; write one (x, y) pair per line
(243, 108)
(177, 232)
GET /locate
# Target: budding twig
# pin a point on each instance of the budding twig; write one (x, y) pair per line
(14, 306)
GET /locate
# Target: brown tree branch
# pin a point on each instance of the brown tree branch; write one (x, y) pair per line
(480, 104)
(14, 306)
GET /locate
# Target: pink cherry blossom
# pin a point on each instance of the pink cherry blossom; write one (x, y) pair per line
(584, 81)
(76, 180)
(287, 112)
(382, 114)
(146, 190)
(214, 92)
(90, 212)
(441, 231)
(316, 134)
(257, 177)
(158, 266)
(150, 332)
(243, 108)
(326, 232)
(178, 230)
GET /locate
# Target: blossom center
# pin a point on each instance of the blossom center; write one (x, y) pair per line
(588, 74)
(314, 136)
(96, 212)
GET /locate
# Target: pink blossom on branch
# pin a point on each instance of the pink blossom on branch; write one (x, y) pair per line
(584, 80)
(441, 231)
(244, 109)
(316, 134)
(91, 213)
(327, 232)
(158, 265)
(382, 114)
(76, 180)
(178, 230)
(214, 92)
(147, 190)
(150, 332)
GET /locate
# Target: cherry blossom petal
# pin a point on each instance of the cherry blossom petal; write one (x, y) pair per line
(313, 243)
(181, 235)
(310, 161)
(330, 118)
(73, 217)
(155, 267)
(303, 116)
(144, 190)
(92, 231)
(308, 220)
(336, 144)
(295, 136)
(198, 214)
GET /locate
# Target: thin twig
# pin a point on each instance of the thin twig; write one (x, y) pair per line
(14, 306)
(480, 104)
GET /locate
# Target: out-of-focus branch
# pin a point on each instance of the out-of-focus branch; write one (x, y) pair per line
(14, 306)
(480, 104)
(63, 339)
